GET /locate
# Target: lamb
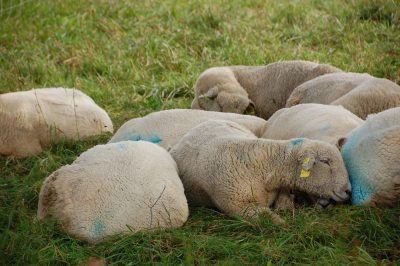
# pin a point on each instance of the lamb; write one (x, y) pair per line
(266, 88)
(361, 94)
(371, 155)
(113, 189)
(326, 123)
(167, 127)
(32, 120)
(223, 165)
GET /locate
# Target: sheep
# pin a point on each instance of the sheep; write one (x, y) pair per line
(372, 158)
(224, 165)
(361, 94)
(32, 120)
(167, 127)
(113, 189)
(266, 88)
(326, 123)
(314, 121)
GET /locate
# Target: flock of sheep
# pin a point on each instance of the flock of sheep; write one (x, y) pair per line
(310, 136)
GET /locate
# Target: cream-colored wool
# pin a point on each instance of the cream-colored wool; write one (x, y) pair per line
(372, 158)
(166, 128)
(224, 165)
(361, 94)
(234, 89)
(113, 188)
(31, 120)
(327, 123)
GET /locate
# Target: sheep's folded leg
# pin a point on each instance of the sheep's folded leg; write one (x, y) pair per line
(253, 212)
(249, 211)
(284, 201)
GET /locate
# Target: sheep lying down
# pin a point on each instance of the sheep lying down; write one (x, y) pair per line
(361, 94)
(328, 123)
(224, 165)
(113, 189)
(32, 120)
(372, 158)
(266, 88)
(166, 128)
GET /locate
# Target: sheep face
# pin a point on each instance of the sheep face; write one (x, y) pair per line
(218, 90)
(224, 98)
(321, 171)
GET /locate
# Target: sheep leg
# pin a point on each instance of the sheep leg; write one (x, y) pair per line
(246, 210)
(253, 212)
(284, 201)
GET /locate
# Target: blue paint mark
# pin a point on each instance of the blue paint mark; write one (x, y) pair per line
(151, 138)
(358, 155)
(122, 145)
(325, 128)
(98, 228)
(297, 141)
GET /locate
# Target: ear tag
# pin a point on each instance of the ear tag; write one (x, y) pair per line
(305, 173)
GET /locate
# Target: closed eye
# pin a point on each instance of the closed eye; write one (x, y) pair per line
(326, 161)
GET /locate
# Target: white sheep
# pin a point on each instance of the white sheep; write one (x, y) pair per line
(361, 94)
(327, 123)
(372, 158)
(224, 165)
(32, 120)
(113, 189)
(234, 89)
(167, 127)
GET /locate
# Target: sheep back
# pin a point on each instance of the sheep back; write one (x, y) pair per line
(166, 128)
(362, 94)
(32, 120)
(314, 121)
(270, 86)
(114, 188)
(371, 155)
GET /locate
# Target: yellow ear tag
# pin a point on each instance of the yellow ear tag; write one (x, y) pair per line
(305, 173)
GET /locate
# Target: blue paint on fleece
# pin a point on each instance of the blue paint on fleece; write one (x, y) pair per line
(358, 155)
(297, 141)
(151, 138)
(122, 145)
(324, 129)
(98, 229)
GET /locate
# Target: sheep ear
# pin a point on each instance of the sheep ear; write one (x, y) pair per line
(340, 143)
(211, 93)
(307, 165)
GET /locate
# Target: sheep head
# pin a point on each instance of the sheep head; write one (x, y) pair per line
(321, 171)
(218, 90)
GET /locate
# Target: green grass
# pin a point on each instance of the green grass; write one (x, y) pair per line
(136, 57)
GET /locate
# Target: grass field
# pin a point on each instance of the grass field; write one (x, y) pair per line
(136, 57)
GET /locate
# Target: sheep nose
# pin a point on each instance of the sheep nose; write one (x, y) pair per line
(343, 194)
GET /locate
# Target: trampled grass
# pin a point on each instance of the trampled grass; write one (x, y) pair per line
(135, 57)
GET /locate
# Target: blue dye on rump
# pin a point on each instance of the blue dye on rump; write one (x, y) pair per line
(358, 155)
(98, 228)
(151, 138)
(122, 145)
(297, 141)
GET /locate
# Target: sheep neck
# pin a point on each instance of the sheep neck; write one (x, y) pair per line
(248, 78)
(273, 162)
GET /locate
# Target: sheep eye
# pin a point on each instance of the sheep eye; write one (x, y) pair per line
(326, 161)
